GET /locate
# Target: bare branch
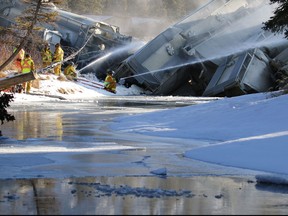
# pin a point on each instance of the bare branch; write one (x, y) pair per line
(25, 39)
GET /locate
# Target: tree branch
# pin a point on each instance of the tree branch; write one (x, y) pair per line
(24, 40)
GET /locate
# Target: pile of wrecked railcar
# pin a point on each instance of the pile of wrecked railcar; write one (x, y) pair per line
(73, 32)
(220, 49)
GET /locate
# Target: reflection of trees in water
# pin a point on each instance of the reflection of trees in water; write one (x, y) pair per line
(29, 197)
(128, 195)
(37, 124)
(45, 204)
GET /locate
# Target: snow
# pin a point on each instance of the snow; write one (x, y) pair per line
(52, 85)
(248, 132)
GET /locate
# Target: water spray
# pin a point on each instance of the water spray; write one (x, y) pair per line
(114, 52)
(234, 38)
(270, 41)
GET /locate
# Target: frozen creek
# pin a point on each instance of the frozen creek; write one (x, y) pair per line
(60, 157)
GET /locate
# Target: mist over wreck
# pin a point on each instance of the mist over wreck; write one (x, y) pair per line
(217, 48)
(191, 57)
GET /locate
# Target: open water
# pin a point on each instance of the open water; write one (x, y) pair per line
(60, 157)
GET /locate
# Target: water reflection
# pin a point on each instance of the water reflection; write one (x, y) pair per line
(73, 126)
(275, 188)
(35, 125)
(58, 119)
(138, 196)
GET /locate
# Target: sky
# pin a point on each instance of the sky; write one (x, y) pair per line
(248, 131)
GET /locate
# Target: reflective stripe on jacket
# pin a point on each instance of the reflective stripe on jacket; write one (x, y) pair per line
(46, 55)
(70, 70)
(58, 54)
(110, 82)
(109, 79)
(27, 65)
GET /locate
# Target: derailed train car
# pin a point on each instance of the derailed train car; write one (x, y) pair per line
(76, 30)
(192, 56)
(73, 31)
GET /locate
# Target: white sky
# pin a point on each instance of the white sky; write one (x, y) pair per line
(247, 132)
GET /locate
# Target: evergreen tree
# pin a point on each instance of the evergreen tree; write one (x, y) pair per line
(156, 9)
(115, 7)
(137, 8)
(24, 29)
(171, 9)
(177, 9)
(279, 22)
(85, 6)
(23, 24)
(5, 99)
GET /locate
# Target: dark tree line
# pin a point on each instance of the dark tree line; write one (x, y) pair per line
(169, 9)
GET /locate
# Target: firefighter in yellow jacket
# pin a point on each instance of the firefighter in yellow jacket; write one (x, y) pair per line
(70, 71)
(58, 57)
(17, 62)
(27, 66)
(46, 55)
(110, 82)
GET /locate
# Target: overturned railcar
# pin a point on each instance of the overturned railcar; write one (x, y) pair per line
(246, 73)
(74, 31)
(183, 59)
(99, 38)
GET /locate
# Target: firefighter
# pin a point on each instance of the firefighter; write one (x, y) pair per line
(16, 65)
(17, 62)
(46, 55)
(58, 57)
(70, 71)
(110, 82)
(27, 66)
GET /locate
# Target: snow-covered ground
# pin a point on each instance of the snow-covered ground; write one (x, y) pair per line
(247, 132)
(50, 84)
